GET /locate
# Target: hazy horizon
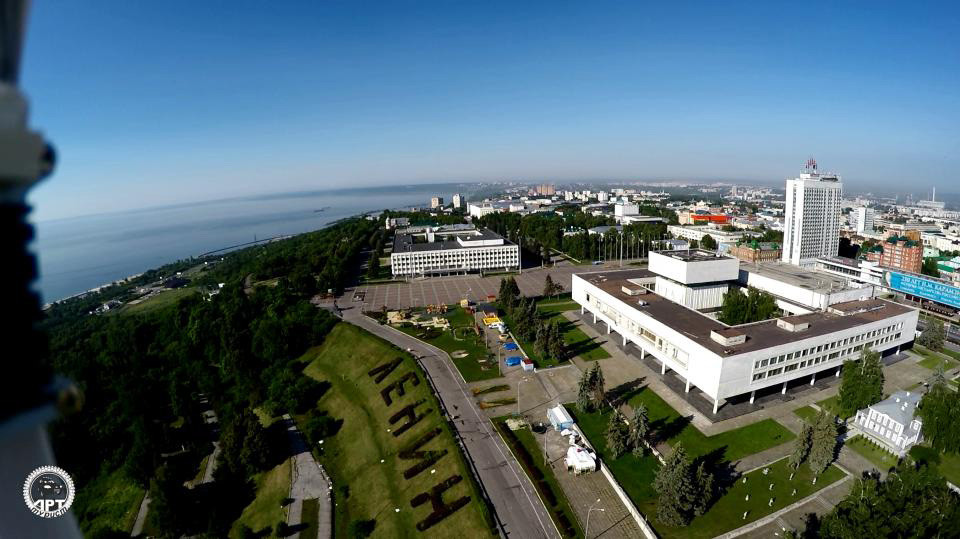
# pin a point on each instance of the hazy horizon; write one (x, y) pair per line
(155, 106)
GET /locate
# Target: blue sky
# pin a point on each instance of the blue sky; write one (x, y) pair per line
(154, 103)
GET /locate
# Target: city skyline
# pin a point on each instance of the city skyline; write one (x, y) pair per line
(160, 108)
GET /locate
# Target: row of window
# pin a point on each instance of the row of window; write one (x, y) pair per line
(820, 359)
(839, 343)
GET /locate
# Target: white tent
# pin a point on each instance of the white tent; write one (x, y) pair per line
(579, 460)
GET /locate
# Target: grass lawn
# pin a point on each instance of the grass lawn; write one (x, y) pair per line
(950, 467)
(831, 406)
(735, 444)
(636, 476)
(109, 502)
(530, 455)
(578, 343)
(948, 464)
(727, 512)
(880, 458)
(931, 360)
(560, 304)
(469, 366)
(163, 299)
(806, 413)
(353, 456)
(273, 486)
(310, 517)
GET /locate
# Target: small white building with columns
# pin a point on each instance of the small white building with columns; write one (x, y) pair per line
(727, 361)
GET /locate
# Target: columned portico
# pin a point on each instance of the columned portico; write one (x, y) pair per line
(753, 395)
(813, 378)
(784, 390)
(687, 389)
(838, 371)
(716, 404)
(663, 368)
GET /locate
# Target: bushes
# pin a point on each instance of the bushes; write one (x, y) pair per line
(544, 488)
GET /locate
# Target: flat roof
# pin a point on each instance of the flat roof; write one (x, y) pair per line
(403, 243)
(794, 275)
(760, 335)
(694, 255)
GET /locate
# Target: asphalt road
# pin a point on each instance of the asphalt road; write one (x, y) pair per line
(517, 506)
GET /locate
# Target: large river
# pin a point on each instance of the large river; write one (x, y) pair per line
(80, 253)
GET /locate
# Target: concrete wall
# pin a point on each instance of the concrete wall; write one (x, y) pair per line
(696, 272)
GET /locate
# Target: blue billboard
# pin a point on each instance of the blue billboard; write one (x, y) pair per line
(926, 288)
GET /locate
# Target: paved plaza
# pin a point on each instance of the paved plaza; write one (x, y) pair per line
(449, 290)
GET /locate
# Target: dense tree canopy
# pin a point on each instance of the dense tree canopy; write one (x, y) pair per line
(739, 308)
(862, 383)
(910, 502)
(147, 378)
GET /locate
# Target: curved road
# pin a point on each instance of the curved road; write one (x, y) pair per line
(518, 508)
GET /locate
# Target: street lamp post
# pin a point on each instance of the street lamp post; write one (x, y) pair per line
(586, 531)
(518, 394)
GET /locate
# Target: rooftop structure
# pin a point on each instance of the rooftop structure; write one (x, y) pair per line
(801, 291)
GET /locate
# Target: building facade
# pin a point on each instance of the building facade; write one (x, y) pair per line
(891, 423)
(755, 251)
(861, 220)
(436, 202)
(729, 361)
(439, 251)
(457, 201)
(812, 222)
(898, 252)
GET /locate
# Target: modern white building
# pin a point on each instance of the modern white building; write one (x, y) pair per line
(861, 220)
(812, 223)
(891, 423)
(451, 250)
(436, 202)
(801, 291)
(697, 233)
(479, 210)
(732, 361)
(457, 200)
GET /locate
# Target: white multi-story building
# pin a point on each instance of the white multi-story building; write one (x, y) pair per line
(724, 361)
(479, 210)
(457, 200)
(436, 202)
(861, 220)
(451, 250)
(812, 224)
(697, 234)
(891, 423)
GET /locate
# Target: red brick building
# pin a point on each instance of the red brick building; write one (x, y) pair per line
(898, 252)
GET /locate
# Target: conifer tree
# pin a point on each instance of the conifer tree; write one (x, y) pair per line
(616, 435)
(675, 488)
(801, 447)
(585, 393)
(597, 384)
(823, 444)
(703, 479)
(639, 429)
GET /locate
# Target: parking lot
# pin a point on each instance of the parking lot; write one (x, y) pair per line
(450, 290)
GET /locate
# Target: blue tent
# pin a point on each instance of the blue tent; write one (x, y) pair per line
(510, 346)
(512, 361)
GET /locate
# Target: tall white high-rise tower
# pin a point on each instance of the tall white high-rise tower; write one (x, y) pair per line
(812, 225)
